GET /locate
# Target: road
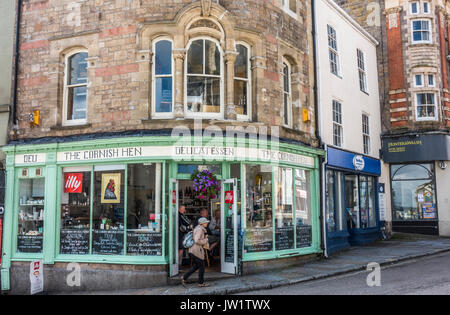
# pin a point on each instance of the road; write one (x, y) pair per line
(426, 276)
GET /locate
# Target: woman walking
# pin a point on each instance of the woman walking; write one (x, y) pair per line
(197, 253)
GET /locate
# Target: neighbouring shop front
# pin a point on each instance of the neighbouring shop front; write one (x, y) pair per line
(116, 202)
(419, 182)
(351, 203)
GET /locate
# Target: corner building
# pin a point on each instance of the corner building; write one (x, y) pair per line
(135, 97)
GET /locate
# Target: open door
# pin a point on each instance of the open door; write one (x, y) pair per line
(173, 228)
(229, 227)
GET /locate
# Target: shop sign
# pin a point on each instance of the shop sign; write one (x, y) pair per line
(229, 197)
(36, 277)
(358, 163)
(174, 197)
(382, 201)
(29, 159)
(73, 183)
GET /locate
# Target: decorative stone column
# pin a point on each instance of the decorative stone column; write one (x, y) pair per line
(230, 109)
(180, 56)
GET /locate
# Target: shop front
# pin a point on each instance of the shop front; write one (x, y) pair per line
(115, 203)
(351, 203)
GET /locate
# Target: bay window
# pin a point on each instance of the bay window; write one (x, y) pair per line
(421, 31)
(426, 106)
(163, 78)
(204, 83)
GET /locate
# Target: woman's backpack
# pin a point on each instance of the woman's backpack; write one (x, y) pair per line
(188, 240)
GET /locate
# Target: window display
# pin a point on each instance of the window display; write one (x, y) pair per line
(413, 192)
(335, 207)
(303, 211)
(144, 234)
(284, 211)
(258, 204)
(352, 201)
(75, 211)
(31, 215)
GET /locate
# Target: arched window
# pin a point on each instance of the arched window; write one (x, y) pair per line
(287, 94)
(204, 87)
(163, 78)
(75, 89)
(242, 82)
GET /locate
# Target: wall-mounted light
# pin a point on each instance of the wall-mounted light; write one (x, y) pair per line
(34, 118)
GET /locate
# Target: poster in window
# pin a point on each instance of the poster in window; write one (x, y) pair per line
(429, 211)
(111, 188)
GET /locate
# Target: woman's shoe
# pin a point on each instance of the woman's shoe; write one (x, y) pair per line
(183, 282)
(203, 285)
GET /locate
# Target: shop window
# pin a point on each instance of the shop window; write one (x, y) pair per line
(242, 79)
(258, 209)
(352, 201)
(335, 208)
(204, 78)
(413, 192)
(287, 94)
(303, 210)
(144, 216)
(333, 51)
(75, 211)
(426, 106)
(108, 210)
(75, 89)
(31, 215)
(163, 77)
(421, 31)
(284, 211)
(367, 201)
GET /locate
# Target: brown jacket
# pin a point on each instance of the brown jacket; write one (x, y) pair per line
(200, 242)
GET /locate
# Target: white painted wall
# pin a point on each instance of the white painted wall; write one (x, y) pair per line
(346, 89)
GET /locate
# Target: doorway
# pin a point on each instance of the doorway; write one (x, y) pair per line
(222, 213)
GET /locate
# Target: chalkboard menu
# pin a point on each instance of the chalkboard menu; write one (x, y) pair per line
(107, 242)
(229, 247)
(144, 244)
(304, 236)
(74, 242)
(258, 240)
(29, 243)
(284, 238)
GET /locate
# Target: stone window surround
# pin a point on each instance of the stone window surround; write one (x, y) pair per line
(430, 30)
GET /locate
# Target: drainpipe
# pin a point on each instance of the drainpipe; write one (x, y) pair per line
(13, 116)
(318, 126)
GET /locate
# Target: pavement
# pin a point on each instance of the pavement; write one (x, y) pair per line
(400, 248)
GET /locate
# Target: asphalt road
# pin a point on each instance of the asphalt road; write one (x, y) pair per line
(426, 276)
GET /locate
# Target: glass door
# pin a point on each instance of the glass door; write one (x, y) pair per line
(229, 227)
(173, 228)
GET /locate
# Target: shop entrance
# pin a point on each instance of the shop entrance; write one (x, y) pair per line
(221, 211)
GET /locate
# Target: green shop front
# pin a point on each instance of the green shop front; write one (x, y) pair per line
(112, 204)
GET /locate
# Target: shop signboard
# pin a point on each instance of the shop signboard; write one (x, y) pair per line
(382, 201)
(36, 277)
(353, 162)
(73, 183)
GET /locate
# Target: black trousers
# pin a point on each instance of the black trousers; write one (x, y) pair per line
(197, 264)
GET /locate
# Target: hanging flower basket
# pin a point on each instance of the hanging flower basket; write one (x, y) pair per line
(206, 186)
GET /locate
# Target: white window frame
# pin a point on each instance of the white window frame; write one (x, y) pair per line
(339, 125)
(289, 109)
(366, 134)
(417, 3)
(422, 78)
(287, 9)
(435, 107)
(219, 115)
(334, 51)
(361, 59)
(249, 83)
(65, 121)
(155, 114)
(430, 30)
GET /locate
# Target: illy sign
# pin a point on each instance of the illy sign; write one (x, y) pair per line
(358, 163)
(73, 183)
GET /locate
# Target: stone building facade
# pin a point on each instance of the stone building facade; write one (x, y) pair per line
(101, 171)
